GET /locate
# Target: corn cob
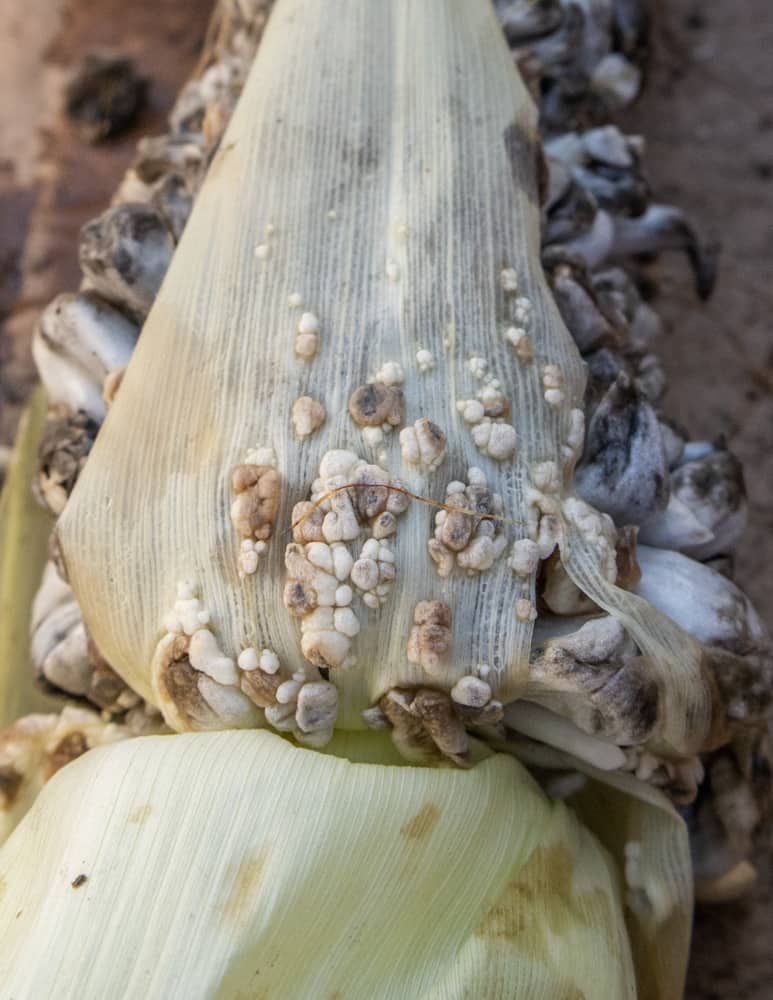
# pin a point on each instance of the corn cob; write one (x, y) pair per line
(634, 467)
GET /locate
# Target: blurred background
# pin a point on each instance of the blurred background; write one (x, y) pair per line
(707, 116)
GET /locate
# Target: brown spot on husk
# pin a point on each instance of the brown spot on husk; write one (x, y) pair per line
(422, 824)
(140, 814)
(246, 879)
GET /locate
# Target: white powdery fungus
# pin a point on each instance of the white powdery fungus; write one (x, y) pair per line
(424, 443)
(425, 360)
(464, 535)
(307, 336)
(308, 415)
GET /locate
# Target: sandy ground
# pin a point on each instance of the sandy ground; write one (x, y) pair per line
(708, 119)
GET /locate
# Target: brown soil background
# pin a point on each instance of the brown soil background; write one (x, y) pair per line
(707, 115)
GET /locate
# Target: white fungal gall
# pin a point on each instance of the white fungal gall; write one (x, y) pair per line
(206, 656)
(548, 535)
(392, 270)
(478, 367)
(598, 529)
(508, 279)
(308, 415)
(390, 373)
(337, 462)
(523, 311)
(425, 360)
(524, 557)
(287, 692)
(248, 659)
(497, 440)
(471, 410)
(261, 455)
(463, 534)
(365, 574)
(346, 622)
(525, 610)
(295, 300)
(552, 377)
(495, 403)
(269, 661)
(576, 435)
(317, 707)
(262, 251)
(306, 345)
(471, 691)
(373, 436)
(248, 558)
(546, 477)
(554, 397)
(269, 230)
(521, 342)
(423, 444)
(308, 323)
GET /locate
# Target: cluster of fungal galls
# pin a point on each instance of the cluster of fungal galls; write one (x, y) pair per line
(323, 571)
(199, 685)
(466, 534)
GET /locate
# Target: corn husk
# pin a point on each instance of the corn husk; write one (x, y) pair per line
(24, 530)
(390, 153)
(287, 872)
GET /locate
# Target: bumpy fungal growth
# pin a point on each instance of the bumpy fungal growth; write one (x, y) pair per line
(430, 640)
(195, 684)
(464, 534)
(423, 444)
(530, 550)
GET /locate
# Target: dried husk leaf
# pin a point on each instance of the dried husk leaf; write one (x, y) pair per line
(286, 872)
(395, 195)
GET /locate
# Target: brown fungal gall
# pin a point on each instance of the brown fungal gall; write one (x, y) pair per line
(307, 522)
(64, 448)
(376, 404)
(254, 510)
(261, 687)
(430, 640)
